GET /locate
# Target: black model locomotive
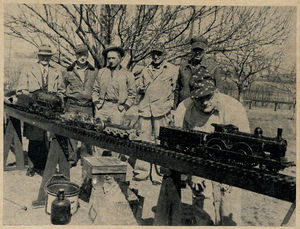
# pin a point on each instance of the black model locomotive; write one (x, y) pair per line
(47, 104)
(267, 152)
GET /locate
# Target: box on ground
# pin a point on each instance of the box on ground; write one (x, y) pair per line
(97, 168)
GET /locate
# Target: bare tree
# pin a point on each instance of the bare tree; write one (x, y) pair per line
(244, 65)
(137, 27)
(257, 35)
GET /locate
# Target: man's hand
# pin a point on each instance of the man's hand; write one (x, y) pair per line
(127, 123)
(24, 92)
(141, 90)
(98, 106)
(197, 184)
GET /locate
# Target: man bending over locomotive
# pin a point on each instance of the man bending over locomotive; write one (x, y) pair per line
(215, 203)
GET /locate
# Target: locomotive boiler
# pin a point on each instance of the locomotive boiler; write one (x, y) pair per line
(239, 148)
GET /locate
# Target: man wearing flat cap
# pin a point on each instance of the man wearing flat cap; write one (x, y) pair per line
(156, 83)
(75, 88)
(188, 68)
(38, 76)
(213, 203)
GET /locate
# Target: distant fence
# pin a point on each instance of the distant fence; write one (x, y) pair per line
(263, 97)
(276, 104)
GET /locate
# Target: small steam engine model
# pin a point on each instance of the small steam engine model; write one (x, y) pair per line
(268, 153)
(84, 121)
(47, 104)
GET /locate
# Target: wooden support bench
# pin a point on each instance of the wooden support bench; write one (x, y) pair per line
(13, 136)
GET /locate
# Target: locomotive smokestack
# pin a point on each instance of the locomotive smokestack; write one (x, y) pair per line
(279, 133)
(258, 132)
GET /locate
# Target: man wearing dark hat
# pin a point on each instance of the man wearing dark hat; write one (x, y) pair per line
(75, 88)
(205, 106)
(38, 76)
(157, 84)
(188, 68)
(114, 90)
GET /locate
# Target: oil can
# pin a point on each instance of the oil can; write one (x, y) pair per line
(60, 209)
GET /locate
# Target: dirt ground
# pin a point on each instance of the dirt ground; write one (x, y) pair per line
(257, 210)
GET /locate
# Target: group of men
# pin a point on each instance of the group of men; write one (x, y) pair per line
(186, 97)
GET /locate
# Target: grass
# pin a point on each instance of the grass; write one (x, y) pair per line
(269, 120)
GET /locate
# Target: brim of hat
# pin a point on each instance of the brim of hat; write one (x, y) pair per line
(157, 50)
(198, 93)
(199, 46)
(46, 53)
(117, 49)
(81, 51)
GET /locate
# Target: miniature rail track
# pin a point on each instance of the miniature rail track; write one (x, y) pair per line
(275, 185)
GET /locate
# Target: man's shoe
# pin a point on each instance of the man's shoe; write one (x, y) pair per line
(73, 164)
(39, 171)
(30, 172)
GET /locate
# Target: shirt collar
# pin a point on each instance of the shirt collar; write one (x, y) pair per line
(78, 68)
(162, 65)
(44, 67)
(119, 67)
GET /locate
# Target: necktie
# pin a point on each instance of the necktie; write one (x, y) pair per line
(44, 77)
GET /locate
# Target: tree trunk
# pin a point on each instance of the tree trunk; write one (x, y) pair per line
(240, 93)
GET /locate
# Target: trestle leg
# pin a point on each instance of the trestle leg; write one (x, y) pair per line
(55, 156)
(289, 214)
(13, 134)
(168, 210)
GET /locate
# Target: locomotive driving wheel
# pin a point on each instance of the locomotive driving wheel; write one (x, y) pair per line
(216, 144)
(244, 149)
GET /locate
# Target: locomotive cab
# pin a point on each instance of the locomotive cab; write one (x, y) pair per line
(225, 128)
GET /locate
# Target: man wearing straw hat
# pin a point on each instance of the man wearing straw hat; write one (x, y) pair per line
(38, 76)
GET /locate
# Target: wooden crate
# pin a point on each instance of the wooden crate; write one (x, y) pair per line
(97, 168)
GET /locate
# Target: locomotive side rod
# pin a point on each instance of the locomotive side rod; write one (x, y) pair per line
(275, 185)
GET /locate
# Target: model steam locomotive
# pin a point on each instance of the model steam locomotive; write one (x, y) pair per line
(226, 144)
(243, 149)
(47, 104)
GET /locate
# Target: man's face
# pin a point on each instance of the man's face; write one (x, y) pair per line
(113, 59)
(204, 104)
(157, 57)
(198, 54)
(44, 59)
(82, 58)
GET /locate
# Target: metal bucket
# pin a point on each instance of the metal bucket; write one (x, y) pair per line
(57, 182)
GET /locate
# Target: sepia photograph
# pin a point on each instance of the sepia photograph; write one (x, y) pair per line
(149, 115)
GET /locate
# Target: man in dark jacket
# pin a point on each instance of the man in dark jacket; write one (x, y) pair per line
(75, 88)
(194, 66)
